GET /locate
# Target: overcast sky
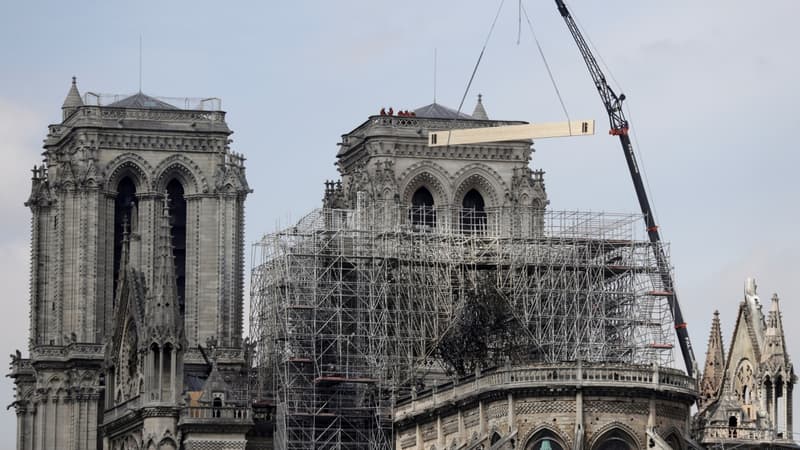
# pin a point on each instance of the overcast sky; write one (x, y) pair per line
(712, 87)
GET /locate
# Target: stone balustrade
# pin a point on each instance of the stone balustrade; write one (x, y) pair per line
(194, 414)
(122, 409)
(544, 376)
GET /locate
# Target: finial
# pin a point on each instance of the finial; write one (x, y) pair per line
(716, 312)
(480, 96)
(74, 80)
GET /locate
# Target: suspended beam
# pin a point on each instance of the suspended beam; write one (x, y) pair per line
(510, 133)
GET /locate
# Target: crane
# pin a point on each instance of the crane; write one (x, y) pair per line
(619, 127)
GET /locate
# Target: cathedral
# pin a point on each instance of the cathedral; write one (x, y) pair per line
(433, 301)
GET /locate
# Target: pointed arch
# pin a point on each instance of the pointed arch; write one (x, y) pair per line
(674, 438)
(482, 178)
(130, 165)
(423, 208)
(178, 216)
(185, 170)
(537, 436)
(615, 435)
(167, 444)
(427, 174)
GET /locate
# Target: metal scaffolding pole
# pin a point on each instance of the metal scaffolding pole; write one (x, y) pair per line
(348, 307)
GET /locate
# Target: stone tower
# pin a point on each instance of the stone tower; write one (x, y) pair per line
(748, 399)
(715, 360)
(136, 276)
(387, 159)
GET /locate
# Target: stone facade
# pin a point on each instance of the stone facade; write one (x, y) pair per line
(136, 279)
(136, 300)
(746, 397)
(387, 158)
(570, 406)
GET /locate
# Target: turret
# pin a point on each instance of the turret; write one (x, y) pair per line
(775, 342)
(714, 366)
(73, 100)
(480, 113)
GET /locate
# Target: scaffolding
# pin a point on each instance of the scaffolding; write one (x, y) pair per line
(348, 306)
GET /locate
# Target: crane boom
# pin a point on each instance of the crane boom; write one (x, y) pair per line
(619, 127)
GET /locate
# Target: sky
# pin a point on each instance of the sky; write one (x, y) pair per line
(712, 90)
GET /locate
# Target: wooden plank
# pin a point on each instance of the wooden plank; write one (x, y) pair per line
(510, 133)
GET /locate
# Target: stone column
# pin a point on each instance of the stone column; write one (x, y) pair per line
(160, 372)
(173, 375)
(511, 417)
(20, 427)
(773, 410)
(41, 419)
(789, 414)
(439, 433)
(785, 413)
(29, 429)
(481, 419)
(55, 425)
(462, 432)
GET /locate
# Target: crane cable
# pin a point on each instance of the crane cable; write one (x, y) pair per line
(544, 60)
(642, 166)
(480, 56)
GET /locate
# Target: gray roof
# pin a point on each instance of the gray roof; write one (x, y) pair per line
(479, 112)
(142, 101)
(437, 111)
(73, 99)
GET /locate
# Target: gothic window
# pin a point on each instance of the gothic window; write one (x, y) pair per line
(128, 369)
(674, 441)
(495, 438)
(124, 209)
(545, 440)
(768, 393)
(473, 212)
(615, 439)
(177, 213)
(216, 405)
(422, 211)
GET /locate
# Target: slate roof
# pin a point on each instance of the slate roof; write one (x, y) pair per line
(142, 101)
(73, 96)
(437, 111)
(480, 112)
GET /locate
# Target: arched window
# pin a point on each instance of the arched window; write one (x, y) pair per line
(674, 441)
(473, 212)
(422, 211)
(615, 439)
(177, 213)
(768, 394)
(216, 404)
(124, 208)
(733, 422)
(495, 438)
(544, 440)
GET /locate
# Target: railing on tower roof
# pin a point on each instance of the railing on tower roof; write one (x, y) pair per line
(185, 103)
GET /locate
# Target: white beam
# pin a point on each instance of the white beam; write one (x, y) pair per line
(510, 133)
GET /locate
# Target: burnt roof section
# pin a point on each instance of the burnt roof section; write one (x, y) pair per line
(142, 101)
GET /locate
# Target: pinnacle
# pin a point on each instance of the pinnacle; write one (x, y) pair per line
(73, 99)
(479, 112)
